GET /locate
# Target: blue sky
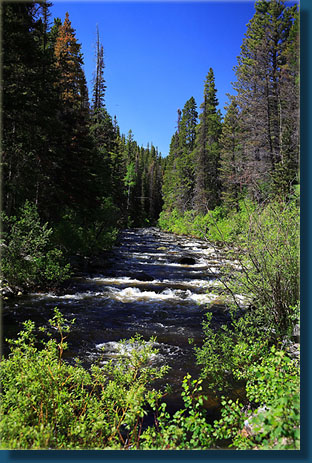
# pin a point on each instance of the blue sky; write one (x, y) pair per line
(157, 55)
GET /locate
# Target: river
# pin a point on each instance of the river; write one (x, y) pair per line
(153, 283)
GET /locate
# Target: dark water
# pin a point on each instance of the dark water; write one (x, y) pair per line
(153, 283)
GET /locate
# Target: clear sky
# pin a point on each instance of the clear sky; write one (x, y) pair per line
(157, 55)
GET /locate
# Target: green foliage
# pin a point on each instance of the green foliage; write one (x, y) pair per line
(29, 131)
(267, 94)
(231, 421)
(88, 235)
(177, 222)
(207, 150)
(49, 404)
(261, 244)
(187, 428)
(232, 162)
(275, 373)
(219, 226)
(274, 424)
(28, 258)
(183, 164)
(67, 158)
(129, 179)
(244, 354)
(227, 353)
(268, 256)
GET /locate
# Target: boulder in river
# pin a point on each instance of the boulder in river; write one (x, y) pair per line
(142, 276)
(187, 260)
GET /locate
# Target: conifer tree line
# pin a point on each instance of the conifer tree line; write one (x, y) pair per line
(61, 150)
(254, 150)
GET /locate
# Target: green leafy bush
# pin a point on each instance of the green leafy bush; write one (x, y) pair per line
(77, 234)
(273, 421)
(261, 245)
(28, 258)
(268, 271)
(49, 404)
(187, 428)
(243, 354)
(231, 349)
(219, 226)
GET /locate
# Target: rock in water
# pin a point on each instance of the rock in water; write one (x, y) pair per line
(187, 260)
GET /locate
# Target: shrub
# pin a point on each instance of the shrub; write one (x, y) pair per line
(187, 428)
(219, 226)
(261, 246)
(273, 422)
(78, 234)
(49, 404)
(243, 354)
(268, 272)
(230, 349)
(28, 258)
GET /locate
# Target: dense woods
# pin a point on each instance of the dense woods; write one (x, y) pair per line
(60, 152)
(254, 151)
(72, 180)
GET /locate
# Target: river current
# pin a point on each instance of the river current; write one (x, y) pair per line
(152, 283)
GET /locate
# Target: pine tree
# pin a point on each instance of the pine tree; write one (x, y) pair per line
(207, 150)
(47, 120)
(101, 124)
(77, 155)
(286, 172)
(142, 190)
(59, 153)
(147, 194)
(170, 179)
(130, 178)
(259, 87)
(30, 131)
(232, 165)
(69, 62)
(117, 168)
(184, 156)
(99, 87)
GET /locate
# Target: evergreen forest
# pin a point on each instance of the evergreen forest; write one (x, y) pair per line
(71, 181)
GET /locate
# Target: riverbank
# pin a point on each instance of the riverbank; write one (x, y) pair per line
(158, 284)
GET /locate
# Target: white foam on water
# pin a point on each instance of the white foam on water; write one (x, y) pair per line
(146, 255)
(134, 294)
(114, 349)
(122, 281)
(192, 283)
(204, 298)
(76, 296)
(209, 252)
(187, 284)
